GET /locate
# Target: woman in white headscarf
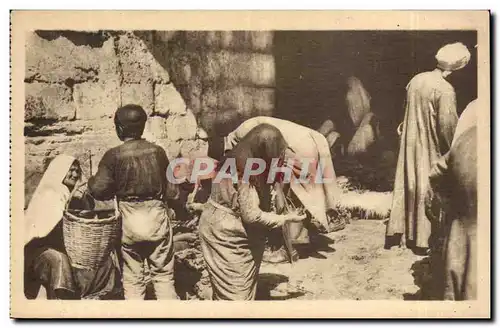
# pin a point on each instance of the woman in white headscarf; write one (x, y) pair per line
(46, 261)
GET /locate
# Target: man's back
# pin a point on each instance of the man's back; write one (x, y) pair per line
(428, 85)
(431, 112)
(134, 169)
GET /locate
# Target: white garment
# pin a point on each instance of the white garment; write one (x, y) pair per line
(357, 100)
(467, 120)
(47, 205)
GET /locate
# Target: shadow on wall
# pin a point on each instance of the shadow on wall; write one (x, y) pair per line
(93, 39)
(212, 70)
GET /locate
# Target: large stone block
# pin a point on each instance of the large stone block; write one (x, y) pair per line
(103, 125)
(195, 39)
(139, 94)
(172, 148)
(229, 68)
(183, 65)
(33, 173)
(201, 134)
(181, 127)
(231, 40)
(108, 61)
(262, 70)
(89, 149)
(165, 36)
(174, 128)
(209, 99)
(96, 100)
(239, 99)
(207, 121)
(259, 41)
(193, 94)
(155, 128)
(193, 149)
(263, 102)
(69, 128)
(168, 100)
(183, 73)
(194, 99)
(60, 60)
(137, 61)
(220, 122)
(247, 101)
(37, 147)
(213, 38)
(262, 40)
(48, 101)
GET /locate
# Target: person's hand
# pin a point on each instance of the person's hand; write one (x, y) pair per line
(432, 205)
(194, 208)
(400, 129)
(295, 216)
(80, 189)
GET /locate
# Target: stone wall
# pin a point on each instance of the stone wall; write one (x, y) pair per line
(190, 83)
(223, 76)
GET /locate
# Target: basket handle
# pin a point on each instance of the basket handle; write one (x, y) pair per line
(115, 201)
(72, 193)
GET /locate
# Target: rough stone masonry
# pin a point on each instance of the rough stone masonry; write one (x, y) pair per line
(185, 80)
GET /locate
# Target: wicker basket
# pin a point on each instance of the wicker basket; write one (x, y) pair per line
(89, 242)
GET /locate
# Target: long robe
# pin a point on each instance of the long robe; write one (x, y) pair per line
(461, 247)
(454, 180)
(302, 142)
(428, 129)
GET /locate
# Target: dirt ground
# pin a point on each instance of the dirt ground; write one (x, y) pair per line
(349, 264)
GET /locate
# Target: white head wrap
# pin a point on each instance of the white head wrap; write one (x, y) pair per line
(453, 57)
(49, 200)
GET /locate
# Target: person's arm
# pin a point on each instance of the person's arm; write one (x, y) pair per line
(439, 169)
(102, 186)
(251, 213)
(447, 118)
(436, 189)
(280, 198)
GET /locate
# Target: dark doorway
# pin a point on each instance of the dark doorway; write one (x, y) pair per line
(312, 68)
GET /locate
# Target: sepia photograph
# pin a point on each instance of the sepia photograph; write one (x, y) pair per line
(283, 166)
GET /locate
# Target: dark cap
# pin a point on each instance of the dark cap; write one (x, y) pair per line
(131, 116)
(130, 120)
